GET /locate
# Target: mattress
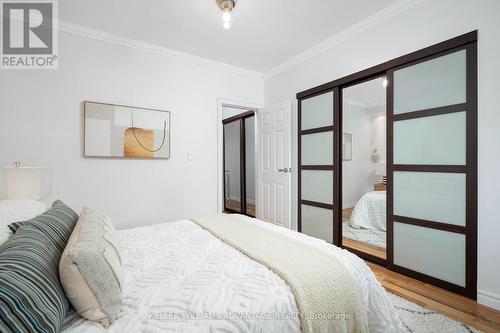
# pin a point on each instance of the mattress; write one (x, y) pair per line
(370, 211)
(180, 278)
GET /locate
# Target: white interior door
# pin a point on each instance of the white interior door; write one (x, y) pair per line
(274, 164)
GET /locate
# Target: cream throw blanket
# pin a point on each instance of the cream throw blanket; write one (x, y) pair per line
(326, 294)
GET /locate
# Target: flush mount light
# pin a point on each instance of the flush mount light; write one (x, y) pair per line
(226, 6)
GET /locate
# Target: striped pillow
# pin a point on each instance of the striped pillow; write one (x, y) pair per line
(31, 296)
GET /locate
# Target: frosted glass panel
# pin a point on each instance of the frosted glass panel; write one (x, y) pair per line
(431, 140)
(434, 83)
(440, 254)
(317, 149)
(317, 186)
(317, 111)
(317, 222)
(430, 196)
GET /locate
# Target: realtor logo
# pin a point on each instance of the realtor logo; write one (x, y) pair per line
(29, 34)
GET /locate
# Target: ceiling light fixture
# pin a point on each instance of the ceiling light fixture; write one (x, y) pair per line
(226, 6)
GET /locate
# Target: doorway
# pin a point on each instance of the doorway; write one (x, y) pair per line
(239, 162)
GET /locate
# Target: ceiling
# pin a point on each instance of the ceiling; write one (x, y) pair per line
(264, 33)
(366, 94)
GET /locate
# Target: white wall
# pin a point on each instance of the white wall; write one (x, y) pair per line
(358, 174)
(424, 24)
(378, 122)
(41, 124)
(228, 112)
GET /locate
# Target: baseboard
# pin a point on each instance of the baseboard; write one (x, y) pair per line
(488, 299)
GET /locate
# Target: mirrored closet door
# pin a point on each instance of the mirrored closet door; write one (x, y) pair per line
(363, 168)
(388, 164)
(239, 164)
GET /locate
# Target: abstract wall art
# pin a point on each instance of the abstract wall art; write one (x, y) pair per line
(128, 132)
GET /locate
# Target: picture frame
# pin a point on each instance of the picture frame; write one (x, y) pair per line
(121, 131)
(346, 147)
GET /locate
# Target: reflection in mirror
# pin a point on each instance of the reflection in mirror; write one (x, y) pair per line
(232, 182)
(364, 167)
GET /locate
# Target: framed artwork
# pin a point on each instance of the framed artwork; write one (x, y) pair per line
(126, 132)
(346, 147)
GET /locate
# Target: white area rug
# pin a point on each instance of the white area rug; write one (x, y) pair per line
(367, 236)
(417, 319)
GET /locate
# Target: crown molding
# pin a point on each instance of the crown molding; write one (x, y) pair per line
(154, 49)
(380, 16)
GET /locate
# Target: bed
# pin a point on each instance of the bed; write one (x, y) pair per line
(370, 211)
(181, 278)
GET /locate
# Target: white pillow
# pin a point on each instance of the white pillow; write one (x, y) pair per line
(17, 210)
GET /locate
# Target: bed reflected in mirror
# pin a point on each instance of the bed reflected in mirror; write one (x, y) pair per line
(364, 167)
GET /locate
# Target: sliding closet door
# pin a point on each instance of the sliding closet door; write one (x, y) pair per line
(317, 184)
(432, 169)
(233, 201)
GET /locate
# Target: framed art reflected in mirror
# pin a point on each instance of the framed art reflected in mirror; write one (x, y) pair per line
(125, 132)
(346, 147)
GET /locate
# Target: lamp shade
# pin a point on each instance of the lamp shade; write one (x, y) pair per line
(19, 182)
(381, 169)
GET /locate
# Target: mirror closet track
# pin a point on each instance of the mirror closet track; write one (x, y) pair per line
(387, 161)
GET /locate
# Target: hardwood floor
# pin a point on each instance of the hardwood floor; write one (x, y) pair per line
(235, 205)
(357, 245)
(366, 248)
(445, 302)
(251, 209)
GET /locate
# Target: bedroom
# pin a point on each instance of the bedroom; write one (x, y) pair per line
(178, 57)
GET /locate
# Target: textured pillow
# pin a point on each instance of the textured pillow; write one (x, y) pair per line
(31, 296)
(90, 269)
(16, 210)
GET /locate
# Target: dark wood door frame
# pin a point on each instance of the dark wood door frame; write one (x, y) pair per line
(469, 169)
(334, 167)
(240, 118)
(468, 42)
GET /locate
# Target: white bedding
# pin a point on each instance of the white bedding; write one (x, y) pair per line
(173, 269)
(370, 211)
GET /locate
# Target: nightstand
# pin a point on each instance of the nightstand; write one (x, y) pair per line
(379, 187)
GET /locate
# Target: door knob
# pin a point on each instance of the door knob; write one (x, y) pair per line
(285, 170)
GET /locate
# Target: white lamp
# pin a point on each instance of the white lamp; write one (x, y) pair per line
(20, 182)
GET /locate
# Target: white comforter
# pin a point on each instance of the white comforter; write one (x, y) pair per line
(177, 269)
(370, 211)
